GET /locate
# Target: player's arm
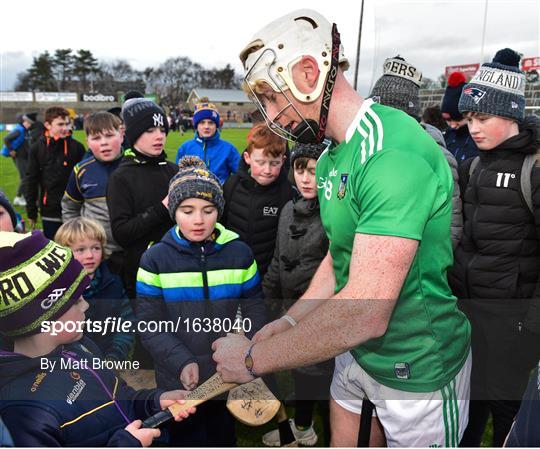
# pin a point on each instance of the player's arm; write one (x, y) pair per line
(321, 288)
(379, 265)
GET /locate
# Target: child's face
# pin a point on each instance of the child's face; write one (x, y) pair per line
(151, 142)
(106, 145)
(264, 168)
(59, 127)
(75, 314)
(206, 128)
(456, 124)
(306, 181)
(89, 253)
(196, 219)
(5, 220)
(489, 131)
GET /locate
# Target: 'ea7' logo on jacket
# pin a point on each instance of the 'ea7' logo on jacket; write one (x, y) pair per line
(269, 211)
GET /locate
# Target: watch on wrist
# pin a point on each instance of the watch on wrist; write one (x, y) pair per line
(248, 360)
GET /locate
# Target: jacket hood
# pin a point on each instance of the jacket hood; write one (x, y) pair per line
(14, 365)
(134, 157)
(46, 136)
(208, 140)
(306, 207)
(527, 141)
(220, 237)
(436, 133)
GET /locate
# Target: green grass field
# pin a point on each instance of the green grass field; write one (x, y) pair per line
(247, 436)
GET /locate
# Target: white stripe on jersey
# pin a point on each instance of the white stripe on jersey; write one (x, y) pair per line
(378, 122)
(363, 144)
(370, 133)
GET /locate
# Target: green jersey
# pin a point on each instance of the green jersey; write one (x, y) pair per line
(389, 177)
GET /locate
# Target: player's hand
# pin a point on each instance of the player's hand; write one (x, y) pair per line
(189, 377)
(229, 355)
(32, 224)
(145, 436)
(272, 328)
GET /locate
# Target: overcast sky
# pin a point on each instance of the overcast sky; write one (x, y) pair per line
(428, 33)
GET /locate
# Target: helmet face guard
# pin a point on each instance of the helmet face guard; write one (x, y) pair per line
(271, 56)
(268, 58)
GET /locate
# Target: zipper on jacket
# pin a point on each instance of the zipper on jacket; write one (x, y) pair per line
(204, 273)
(473, 220)
(205, 154)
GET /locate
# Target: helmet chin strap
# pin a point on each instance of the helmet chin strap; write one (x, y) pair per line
(308, 130)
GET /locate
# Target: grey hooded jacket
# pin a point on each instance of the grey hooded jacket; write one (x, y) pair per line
(456, 227)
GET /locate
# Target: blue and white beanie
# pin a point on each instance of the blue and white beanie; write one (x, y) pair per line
(497, 88)
(205, 111)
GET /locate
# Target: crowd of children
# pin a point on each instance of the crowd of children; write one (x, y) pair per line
(217, 235)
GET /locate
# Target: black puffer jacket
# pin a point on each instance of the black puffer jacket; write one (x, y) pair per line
(499, 254)
(50, 163)
(138, 217)
(252, 211)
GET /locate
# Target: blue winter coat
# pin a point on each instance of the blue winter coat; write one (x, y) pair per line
(220, 156)
(106, 298)
(179, 280)
(19, 131)
(69, 407)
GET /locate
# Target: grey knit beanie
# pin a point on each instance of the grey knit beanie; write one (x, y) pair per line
(309, 150)
(398, 87)
(194, 180)
(497, 88)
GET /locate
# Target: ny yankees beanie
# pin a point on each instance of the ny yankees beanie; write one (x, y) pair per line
(140, 114)
(497, 88)
(194, 180)
(449, 105)
(399, 86)
(205, 111)
(39, 280)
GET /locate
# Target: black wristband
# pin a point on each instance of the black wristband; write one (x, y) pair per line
(248, 360)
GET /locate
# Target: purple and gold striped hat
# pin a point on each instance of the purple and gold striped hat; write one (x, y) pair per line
(39, 280)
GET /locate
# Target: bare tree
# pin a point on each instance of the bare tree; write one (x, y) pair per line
(173, 80)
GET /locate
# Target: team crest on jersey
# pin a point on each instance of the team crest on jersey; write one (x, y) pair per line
(475, 93)
(342, 189)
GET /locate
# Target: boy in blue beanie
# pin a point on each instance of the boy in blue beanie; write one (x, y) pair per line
(200, 272)
(220, 156)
